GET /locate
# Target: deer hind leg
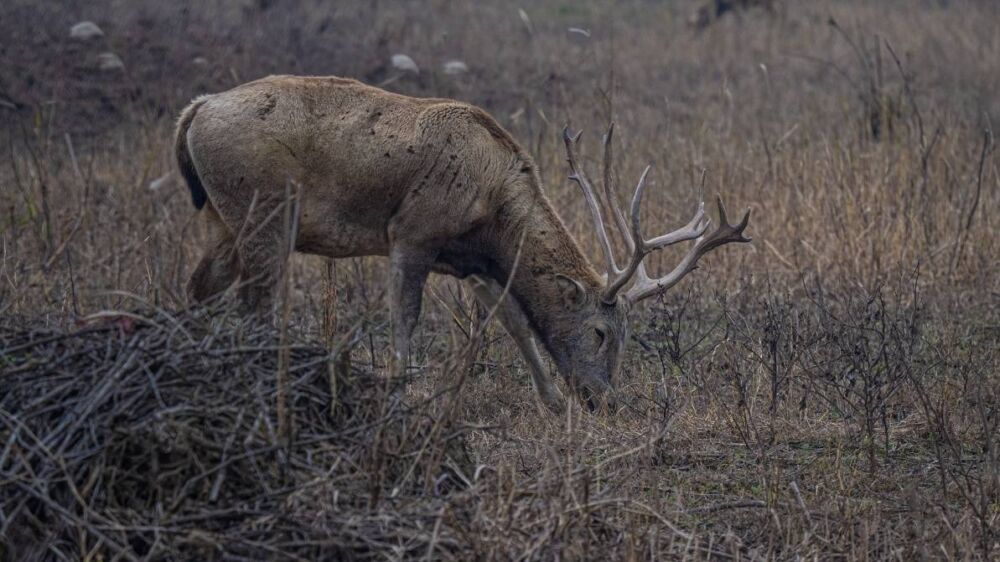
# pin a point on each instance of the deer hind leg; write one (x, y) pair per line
(262, 229)
(263, 247)
(509, 312)
(219, 266)
(408, 270)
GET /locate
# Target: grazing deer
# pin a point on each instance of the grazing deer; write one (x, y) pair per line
(435, 185)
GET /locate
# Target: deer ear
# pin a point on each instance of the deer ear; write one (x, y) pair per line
(572, 292)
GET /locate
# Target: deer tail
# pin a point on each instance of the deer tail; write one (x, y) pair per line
(184, 161)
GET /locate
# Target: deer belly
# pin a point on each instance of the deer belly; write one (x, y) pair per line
(337, 233)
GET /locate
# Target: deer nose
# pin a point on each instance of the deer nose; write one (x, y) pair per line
(600, 398)
(611, 401)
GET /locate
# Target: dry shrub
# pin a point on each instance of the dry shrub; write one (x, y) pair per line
(157, 435)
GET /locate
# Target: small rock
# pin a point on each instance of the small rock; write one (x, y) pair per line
(526, 20)
(109, 62)
(404, 63)
(85, 31)
(454, 67)
(160, 181)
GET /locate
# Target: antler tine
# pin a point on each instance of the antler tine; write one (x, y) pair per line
(639, 250)
(640, 188)
(609, 192)
(580, 177)
(725, 233)
(693, 229)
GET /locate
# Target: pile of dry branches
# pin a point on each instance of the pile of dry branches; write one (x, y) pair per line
(161, 435)
(180, 436)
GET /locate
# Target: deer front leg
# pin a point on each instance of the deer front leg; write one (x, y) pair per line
(509, 312)
(408, 269)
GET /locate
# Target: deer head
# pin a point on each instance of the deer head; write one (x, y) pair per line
(599, 327)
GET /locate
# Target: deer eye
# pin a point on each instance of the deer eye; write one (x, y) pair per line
(600, 337)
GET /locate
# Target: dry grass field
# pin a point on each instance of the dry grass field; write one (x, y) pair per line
(831, 391)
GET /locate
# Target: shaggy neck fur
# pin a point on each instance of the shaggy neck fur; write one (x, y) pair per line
(547, 250)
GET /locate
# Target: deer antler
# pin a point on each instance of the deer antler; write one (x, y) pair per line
(725, 233)
(610, 197)
(580, 177)
(637, 246)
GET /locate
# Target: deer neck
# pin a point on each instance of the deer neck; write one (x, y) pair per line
(534, 245)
